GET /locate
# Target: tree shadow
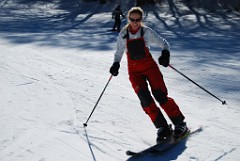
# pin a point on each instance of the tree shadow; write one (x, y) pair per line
(202, 33)
(70, 22)
(73, 20)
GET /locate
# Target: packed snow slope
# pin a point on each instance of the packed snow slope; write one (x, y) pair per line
(54, 64)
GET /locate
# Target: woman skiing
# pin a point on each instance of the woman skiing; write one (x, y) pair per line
(136, 39)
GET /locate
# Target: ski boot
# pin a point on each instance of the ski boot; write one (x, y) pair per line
(163, 133)
(180, 129)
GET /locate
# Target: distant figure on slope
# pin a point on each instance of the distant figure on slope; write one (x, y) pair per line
(117, 13)
(143, 70)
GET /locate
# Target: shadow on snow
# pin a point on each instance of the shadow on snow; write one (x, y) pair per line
(171, 154)
(64, 23)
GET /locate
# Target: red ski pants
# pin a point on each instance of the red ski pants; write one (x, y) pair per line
(153, 77)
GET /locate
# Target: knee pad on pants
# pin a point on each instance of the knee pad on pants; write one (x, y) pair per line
(145, 97)
(160, 96)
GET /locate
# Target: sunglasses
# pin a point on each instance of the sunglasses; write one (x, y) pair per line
(135, 20)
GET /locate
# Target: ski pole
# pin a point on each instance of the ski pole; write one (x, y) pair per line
(85, 124)
(223, 102)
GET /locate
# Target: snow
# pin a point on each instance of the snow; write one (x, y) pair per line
(54, 63)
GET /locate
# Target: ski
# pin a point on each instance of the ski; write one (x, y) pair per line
(166, 144)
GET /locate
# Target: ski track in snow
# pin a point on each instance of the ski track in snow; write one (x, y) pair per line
(54, 63)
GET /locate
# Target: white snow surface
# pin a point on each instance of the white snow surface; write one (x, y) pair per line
(54, 64)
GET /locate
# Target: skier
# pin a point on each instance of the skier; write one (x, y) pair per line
(142, 68)
(117, 13)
